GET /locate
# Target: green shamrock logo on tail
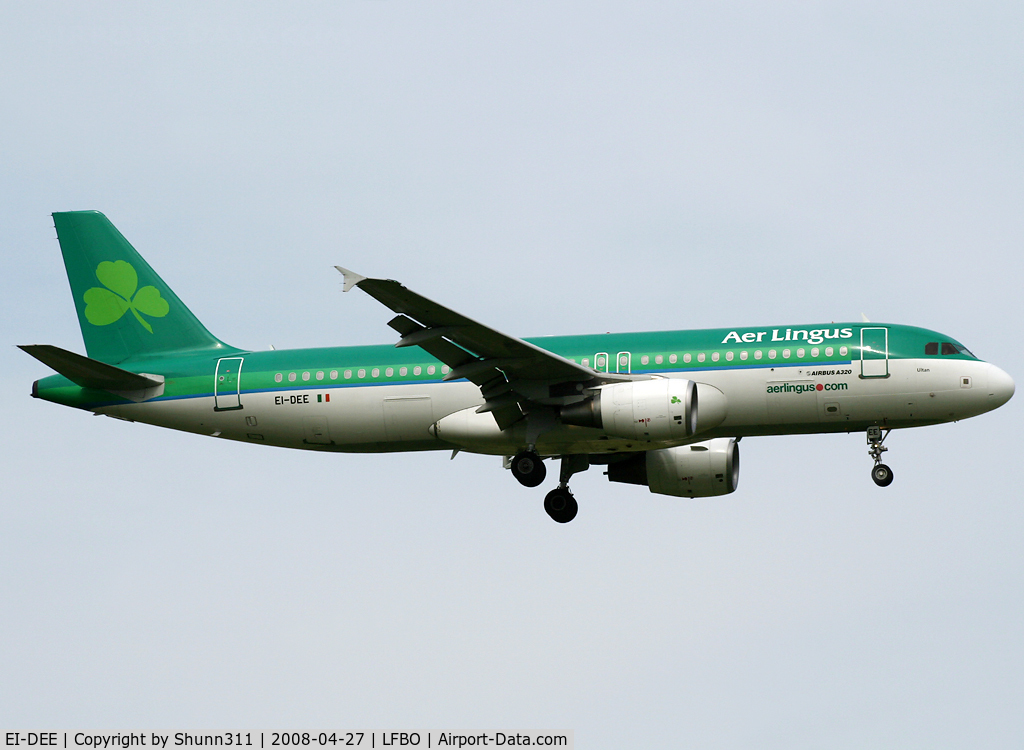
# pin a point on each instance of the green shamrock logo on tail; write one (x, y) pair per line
(106, 306)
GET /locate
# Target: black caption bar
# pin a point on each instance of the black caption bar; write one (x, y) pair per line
(94, 740)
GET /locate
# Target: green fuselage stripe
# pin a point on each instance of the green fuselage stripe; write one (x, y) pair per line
(191, 375)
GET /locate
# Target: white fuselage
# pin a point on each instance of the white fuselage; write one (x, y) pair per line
(759, 401)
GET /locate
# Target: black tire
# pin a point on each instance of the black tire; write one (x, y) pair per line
(528, 468)
(882, 475)
(561, 505)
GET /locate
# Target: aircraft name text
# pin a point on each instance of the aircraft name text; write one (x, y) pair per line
(814, 336)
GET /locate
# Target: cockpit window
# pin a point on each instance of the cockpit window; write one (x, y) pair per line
(932, 347)
(950, 348)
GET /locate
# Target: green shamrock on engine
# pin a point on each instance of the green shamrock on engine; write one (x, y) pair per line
(106, 306)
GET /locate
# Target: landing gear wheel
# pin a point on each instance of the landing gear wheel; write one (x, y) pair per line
(561, 505)
(882, 475)
(528, 468)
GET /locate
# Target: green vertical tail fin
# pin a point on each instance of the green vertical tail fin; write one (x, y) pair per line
(124, 308)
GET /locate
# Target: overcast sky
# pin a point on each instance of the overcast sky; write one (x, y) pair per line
(547, 168)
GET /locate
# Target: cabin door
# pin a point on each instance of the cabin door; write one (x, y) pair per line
(227, 384)
(874, 352)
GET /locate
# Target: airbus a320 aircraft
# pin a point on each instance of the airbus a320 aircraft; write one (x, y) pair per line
(662, 409)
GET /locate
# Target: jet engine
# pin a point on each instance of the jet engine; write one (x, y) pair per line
(699, 470)
(657, 410)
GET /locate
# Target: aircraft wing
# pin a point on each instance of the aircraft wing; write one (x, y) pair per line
(512, 373)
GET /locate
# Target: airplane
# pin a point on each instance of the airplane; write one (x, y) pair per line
(662, 409)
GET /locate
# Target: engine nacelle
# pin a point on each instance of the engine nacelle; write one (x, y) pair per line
(657, 410)
(699, 470)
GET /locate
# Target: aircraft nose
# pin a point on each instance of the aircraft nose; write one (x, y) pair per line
(1000, 386)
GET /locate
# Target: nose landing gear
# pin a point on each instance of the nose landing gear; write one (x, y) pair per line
(880, 473)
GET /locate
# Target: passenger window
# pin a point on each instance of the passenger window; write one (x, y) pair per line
(417, 370)
(390, 371)
(658, 359)
(687, 358)
(743, 355)
(757, 354)
(948, 348)
(334, 374)
(828, 351)
(348, 374)
(375, 372)
(714, 357)
(729, 356)
(645, 359)
(700, 357)
(431, 369)
(320, 375)
(931, 348)
(800, 353)
(278, 378)
(404, 371)
(671, 358)
(362, 372)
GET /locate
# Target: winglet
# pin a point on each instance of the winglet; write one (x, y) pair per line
(351, 278)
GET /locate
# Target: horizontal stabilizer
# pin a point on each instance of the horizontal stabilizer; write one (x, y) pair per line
(90, 373)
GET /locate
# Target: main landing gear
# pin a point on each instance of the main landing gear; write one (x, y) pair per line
(561, 505)
(528, 468)
(880, 473)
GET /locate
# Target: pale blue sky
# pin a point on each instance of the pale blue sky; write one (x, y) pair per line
(548, 168)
